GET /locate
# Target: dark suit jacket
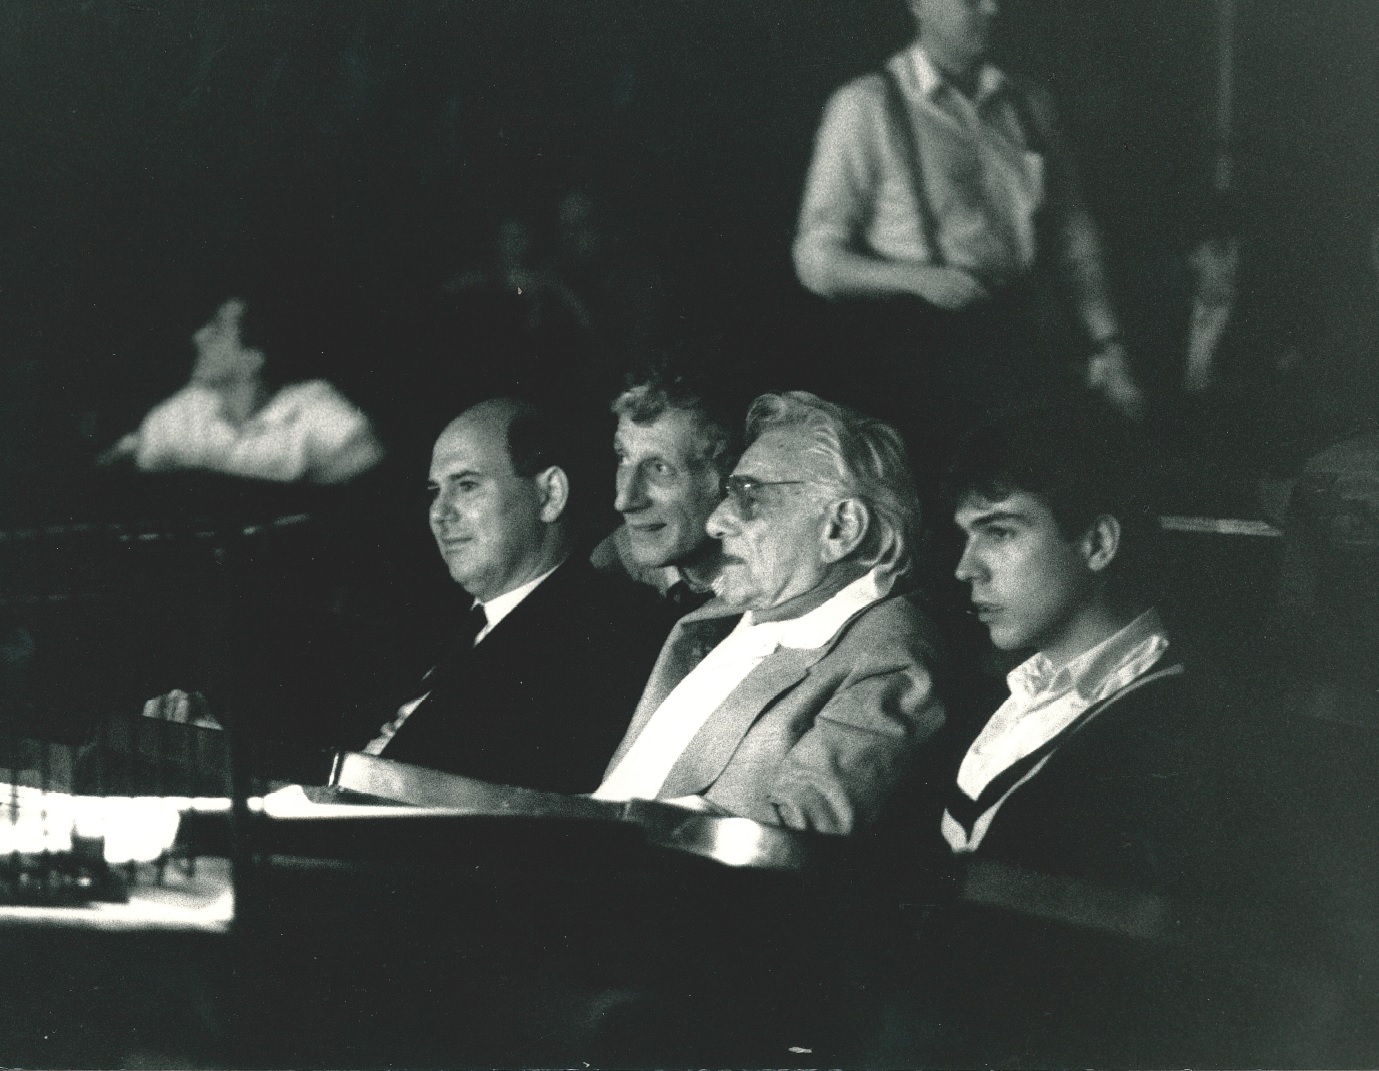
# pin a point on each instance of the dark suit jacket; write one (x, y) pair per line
(543, 700)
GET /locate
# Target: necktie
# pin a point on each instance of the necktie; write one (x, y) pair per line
(452, 657)
(471, 624)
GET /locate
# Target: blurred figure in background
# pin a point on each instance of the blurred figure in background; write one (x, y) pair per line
(942, 201)
(1215, 266)
(239, 414)
(604, 264)
(1215, 365)
(509, 322)
(1261, 368)
(515, 266)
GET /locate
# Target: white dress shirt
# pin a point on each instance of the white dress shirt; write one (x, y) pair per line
(494, 610)
(664, 738)
(983, 180)
(1043, 702)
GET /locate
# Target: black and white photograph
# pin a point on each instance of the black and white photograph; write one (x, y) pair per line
(650, 534)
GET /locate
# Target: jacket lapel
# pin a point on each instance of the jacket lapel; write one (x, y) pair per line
(708, 753)
(692, 638)
(465, 681)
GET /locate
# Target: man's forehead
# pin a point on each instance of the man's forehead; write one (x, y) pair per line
(675, 431)
(477, 445)
(975, 509)
(779, 454)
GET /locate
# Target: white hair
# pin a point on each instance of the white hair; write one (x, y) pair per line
(866, 460)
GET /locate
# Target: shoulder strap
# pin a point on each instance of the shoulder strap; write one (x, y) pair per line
(903, 128)
(1036, 137)
(966, 811)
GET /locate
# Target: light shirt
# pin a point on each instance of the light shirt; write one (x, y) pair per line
(494, 610)
(666, 735)
(500, 606)
(307, 431)
(983, 181)
(1043, 702)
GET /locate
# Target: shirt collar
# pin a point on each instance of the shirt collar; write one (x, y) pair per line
(822, 623)
(990, 81)
(500, 606)
(1100, 670)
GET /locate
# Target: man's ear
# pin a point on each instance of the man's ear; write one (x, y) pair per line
(845, 527)
(1100, 543)
(554, 488)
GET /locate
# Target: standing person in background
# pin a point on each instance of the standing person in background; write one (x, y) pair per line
(940, 200)
(240, 416)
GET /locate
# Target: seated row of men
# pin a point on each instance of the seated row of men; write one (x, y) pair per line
(798, 688)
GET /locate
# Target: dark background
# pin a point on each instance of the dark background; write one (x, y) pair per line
(154, 152)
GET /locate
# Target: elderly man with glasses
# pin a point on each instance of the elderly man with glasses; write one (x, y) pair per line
(800, 695)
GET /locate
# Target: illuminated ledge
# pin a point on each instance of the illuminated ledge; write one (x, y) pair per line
(368, 780)
(1220, 526)
(201, 903)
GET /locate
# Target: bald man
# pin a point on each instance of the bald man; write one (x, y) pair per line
(541, 678)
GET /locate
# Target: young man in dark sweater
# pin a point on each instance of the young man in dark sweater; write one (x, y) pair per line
(1076, 814)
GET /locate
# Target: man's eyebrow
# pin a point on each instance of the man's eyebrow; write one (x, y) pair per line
(998, 516)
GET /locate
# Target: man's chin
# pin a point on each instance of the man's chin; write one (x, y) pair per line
(1006, 640)
(732, 595)
(459, 573)
(647, 562)
(647, 551)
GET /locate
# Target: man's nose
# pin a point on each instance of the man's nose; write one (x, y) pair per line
(722, 521)
(631, 492)
(442, 506)
(968, 568)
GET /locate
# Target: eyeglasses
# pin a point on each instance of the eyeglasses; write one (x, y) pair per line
(746, 492)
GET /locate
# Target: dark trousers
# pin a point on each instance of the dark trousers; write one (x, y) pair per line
(935, 374)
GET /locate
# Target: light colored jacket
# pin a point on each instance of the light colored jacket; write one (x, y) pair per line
(814, 739)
